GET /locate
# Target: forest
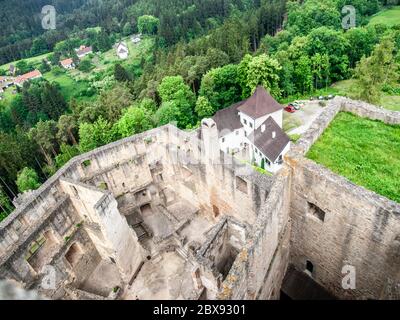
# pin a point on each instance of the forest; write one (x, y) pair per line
(204, 56)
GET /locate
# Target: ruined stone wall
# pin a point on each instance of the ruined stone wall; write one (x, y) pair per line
(336, 223)
(260, 267)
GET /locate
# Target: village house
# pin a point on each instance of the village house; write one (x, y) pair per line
(83, 51)
(252, 130)
(67, 63)
(35, 74)
(122, 50)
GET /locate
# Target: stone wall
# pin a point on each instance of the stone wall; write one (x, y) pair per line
(336, 223)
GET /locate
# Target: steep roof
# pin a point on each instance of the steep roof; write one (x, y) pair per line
(228, 118)
(265, 141)
(260, 104)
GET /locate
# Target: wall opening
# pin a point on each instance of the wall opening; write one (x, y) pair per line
(241, 185)
(316, 211)
(216, 211)
(74, 254)
(309, 267)
(146, 210)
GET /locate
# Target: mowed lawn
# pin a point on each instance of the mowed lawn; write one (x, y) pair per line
(388, 17)
(367, 152)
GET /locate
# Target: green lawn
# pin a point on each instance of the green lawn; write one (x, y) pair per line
(68, 86)
(389, 17)
(34, 60)
(367, 152)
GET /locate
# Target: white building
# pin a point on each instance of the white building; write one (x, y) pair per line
(122, 50)
(136, 38)
(252, 130)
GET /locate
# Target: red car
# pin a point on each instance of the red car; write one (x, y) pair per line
(290, 109)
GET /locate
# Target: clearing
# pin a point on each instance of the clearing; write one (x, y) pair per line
(389, 17)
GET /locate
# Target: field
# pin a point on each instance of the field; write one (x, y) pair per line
(367, 152)
(33, 60)
(389, 17)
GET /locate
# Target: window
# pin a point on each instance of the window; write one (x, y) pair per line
(216, 211)
(244, 121)
(223, 140)
(309, 267)
(316, 212)
(267, 162)
(245, 134)
(74, 254)
(237, 133)
(241, 185)
(35, 246)
(251, 125)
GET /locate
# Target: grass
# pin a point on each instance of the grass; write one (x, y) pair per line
(389, 17)
(33, 60)
(68, 86)
(365, 151)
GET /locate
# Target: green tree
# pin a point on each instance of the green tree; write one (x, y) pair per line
(94, 135)
(169, 112)
(5, 205)
(134, 120)
(261, 70)
(127, 29)
(204, 108)
(67, 152)
(173, 89)
(221, 86)
(27, 179)
(120, 73)
(374, 72)
(44, 134)
(148, 24)
(85, 65)
(66, 129)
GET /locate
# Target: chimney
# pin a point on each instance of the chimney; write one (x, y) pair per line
(263, 128)
(273, 134)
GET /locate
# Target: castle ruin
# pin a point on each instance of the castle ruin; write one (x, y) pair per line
(166, 215)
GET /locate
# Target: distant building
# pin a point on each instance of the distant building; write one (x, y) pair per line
(136, 38)
(35, 74)
(83, 51)
(67, 63)
(122, 50)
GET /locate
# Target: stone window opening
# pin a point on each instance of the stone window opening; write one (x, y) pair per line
(216, 211)
(316, 212)
(75, 191)
(74, 254)
(241, 185)
(309, 268)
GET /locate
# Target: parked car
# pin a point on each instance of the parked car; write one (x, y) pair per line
(295, 105)
(290, 109)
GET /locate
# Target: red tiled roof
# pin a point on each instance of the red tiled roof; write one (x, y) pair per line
(27, 76)
(260, 104)
(66, 62)
(83, 50)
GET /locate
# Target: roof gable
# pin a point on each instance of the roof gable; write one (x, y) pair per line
(260, 104)
(270, 144)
